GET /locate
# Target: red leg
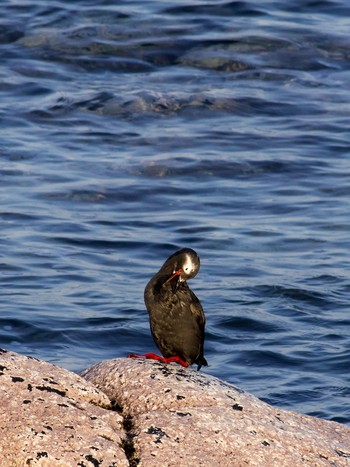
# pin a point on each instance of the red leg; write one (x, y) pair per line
(153, 356)
(149, 356)
(176, 360)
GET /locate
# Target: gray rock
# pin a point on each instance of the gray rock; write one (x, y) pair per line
(134, 412)
(52, 417)
(178, 417)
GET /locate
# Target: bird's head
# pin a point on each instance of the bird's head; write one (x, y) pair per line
(180, 267)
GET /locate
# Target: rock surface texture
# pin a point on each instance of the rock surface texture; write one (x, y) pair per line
(178, 417)
(52, 417)
(135, 412)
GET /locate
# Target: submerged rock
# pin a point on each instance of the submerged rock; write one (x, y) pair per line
(134, 412)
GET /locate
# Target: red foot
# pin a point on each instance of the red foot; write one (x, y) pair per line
(153, 356)
(176, 360)
(150, 356)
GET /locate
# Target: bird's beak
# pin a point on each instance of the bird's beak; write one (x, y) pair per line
(175, 284)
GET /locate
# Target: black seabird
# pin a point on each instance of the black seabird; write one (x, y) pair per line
(176, 316)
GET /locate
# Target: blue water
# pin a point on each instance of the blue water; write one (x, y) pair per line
(130, 129)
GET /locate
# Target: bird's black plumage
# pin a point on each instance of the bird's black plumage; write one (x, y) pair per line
(176, 316)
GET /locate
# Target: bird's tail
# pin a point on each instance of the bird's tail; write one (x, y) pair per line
(201, 362)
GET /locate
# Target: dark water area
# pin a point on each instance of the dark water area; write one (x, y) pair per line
(131, 129)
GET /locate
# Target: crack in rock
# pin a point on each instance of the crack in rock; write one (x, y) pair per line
(127, 445)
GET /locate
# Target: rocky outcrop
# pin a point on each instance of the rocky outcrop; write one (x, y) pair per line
(134, 412)
(52, 417)
(178, 417)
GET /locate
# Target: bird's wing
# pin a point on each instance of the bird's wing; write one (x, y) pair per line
(197, 311)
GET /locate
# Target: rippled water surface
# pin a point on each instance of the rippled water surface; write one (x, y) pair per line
(130, 129)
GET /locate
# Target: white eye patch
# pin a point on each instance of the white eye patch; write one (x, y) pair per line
(188, 265)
